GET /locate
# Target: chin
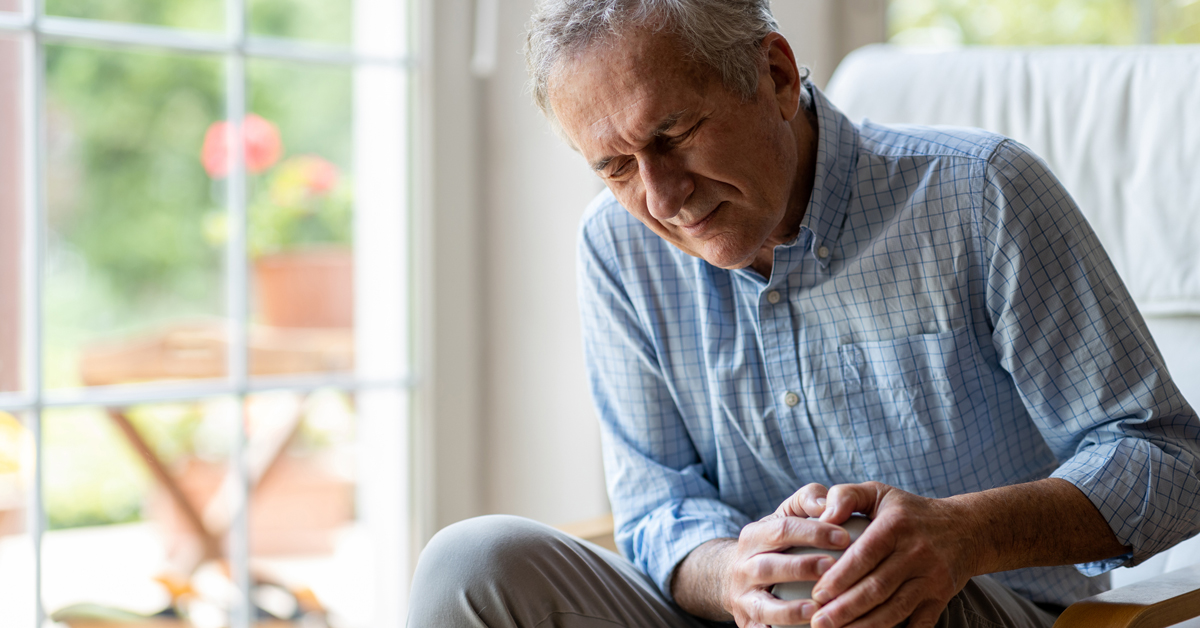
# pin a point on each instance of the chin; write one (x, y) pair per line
(727, 259)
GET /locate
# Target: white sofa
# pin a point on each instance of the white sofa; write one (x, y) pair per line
(1119, 126)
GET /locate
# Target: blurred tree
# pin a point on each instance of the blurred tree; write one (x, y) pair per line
(1013, 22)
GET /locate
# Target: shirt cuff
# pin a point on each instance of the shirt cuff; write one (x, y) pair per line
(673, 531)
(1143, 494)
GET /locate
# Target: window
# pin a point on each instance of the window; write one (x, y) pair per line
(204, 315)
(1040, 22)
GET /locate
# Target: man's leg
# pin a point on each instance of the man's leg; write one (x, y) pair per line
(985, 603)
(508, 572)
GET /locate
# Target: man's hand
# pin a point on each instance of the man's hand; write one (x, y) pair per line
(916, 554)
(753, 564)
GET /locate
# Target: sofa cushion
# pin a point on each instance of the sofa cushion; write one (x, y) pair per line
(1119, 126)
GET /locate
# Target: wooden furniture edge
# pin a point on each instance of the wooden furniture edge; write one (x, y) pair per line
(598, 530)
(1157, 602)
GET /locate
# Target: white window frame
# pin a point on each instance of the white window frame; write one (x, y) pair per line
(388, 375)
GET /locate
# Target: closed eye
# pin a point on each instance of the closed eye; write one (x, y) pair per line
(676, 140)
(621, 170)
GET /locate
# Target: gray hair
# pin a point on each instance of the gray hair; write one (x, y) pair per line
(722, 34)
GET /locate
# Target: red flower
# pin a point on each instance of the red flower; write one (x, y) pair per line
(263, 147)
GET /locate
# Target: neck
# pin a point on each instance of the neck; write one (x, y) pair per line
(807, 131)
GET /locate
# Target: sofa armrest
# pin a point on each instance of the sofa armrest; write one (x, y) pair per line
(1155, 603)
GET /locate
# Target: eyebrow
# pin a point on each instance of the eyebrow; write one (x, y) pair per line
(658, 131)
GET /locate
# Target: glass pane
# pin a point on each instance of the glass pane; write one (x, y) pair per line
(326, 21)
(1012, 22)
(12, 173)
(127, 494)
(134, 262)
(17, 595)
(327, 515)
(189, 14)
(380, 226)
(300, 200)
(1179, 22)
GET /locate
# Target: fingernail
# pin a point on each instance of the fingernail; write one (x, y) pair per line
(821, 597)
(821, 502)
(839, 537)
(821, 621)
(823, 565)
(807, 610)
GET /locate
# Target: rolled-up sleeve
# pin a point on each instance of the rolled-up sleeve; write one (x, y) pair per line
(1084, 363)
(664, 506)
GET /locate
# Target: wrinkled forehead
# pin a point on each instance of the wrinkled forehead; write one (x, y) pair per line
(625, 84)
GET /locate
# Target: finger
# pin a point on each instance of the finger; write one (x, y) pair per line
(866, 556)
(885, 584)
(773, 568)
(787, 532)
(891, 612)
(844, 500)
(809, 501)
(764, 608)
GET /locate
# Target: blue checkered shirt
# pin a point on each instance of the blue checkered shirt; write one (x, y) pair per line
(945, 322)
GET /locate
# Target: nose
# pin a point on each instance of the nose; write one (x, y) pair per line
(667, 184)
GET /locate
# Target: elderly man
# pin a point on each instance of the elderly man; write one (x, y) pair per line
(789, 318)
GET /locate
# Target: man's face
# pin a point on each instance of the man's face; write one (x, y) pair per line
(712, 174)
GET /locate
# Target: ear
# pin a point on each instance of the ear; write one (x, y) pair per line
(783, 74)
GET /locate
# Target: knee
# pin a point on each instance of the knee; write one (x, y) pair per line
(485, 544)
(472, 561)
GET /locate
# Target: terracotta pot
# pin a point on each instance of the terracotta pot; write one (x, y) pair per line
(306, 288)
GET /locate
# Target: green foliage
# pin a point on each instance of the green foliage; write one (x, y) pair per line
(92, 476)
(1037, 22)
(190, 14)
(1179, 22)
(129, 125)
(321, 21)
(1013, 22)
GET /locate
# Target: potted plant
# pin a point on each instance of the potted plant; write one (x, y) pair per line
(299, 210)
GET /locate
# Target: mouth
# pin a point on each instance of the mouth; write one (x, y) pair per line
(698, 228)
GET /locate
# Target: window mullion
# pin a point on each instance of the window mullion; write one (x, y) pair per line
(33, 155)
(237, 281)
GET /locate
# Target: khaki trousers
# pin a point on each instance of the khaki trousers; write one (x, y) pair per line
(507, 572)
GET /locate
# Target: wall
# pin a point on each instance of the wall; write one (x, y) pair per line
(538, 444)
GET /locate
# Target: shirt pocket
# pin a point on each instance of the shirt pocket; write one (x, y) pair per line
(918, 416)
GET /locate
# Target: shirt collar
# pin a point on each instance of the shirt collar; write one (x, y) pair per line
(837, 157)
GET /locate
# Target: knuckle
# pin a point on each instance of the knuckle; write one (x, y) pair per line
(874, 589)
(784, 531)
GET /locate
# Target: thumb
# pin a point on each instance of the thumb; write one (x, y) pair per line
(846, 499)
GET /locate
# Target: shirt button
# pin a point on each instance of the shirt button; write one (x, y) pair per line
(791, 399)
(773, 297)
(823, 252)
